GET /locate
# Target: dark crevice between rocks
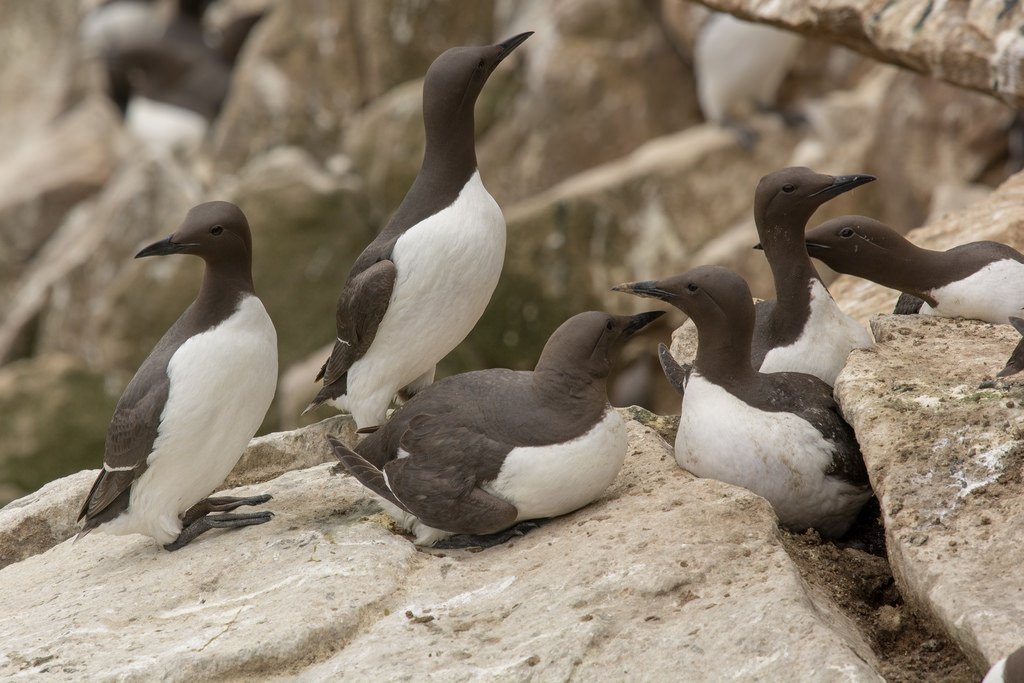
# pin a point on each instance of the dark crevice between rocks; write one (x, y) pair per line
(854, 571)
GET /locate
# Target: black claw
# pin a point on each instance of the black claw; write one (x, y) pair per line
(222, 521)
(463, 541)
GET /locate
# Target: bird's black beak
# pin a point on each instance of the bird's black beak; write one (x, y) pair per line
(647, 289)
(164, 247)
(505, 47)
(841, 184)
(758, 246)
(814, 246)
(642, 320)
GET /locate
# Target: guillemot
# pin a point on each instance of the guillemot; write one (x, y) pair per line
(477, 452)
(419, 288)
(779, 434)
(982, 280)
(195, 402)
(802, 329)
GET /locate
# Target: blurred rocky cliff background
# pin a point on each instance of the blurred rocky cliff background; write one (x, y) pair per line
(590, 138)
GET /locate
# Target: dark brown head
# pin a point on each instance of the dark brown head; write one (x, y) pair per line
(717, 299)
(857, 245)
(455, 79)
(217, 232)
(786, 198)
(591, 341)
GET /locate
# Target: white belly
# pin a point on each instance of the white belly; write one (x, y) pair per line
(222, 383)
(826, 341)
(778, 456)
(547, 481)
(164, 127)
(992, 294)
(447, 268)
(739, 64)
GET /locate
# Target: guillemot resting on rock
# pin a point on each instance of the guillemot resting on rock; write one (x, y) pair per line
(196, 401)
(982, 280)
(476, 453)
(422, 284)
(779, 434)
(802, 329)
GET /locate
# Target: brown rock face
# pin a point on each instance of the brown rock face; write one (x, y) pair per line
(974, 44)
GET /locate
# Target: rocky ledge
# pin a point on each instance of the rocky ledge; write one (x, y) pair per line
(665, 572)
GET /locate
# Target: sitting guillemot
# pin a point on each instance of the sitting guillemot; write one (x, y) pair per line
(779, 434)
(802, 329)
(419, 288)
(196, 401)
(476, 453)
(982, 280)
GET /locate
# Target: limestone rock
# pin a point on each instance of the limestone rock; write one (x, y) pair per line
(40, 520)
(971, 44)
(664, 572)
(274, 454)
(46, 172)
(37, 522)
(945, 454)
(308, 66)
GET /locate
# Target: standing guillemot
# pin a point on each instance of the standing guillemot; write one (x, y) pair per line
(419, 288)
(802, 329)
(983, 280)
(196, 401)
(739, 64)
(476, 453)
(778, 434)
(1009, 669)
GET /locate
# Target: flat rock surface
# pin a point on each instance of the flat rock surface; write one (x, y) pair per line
(944, 446)
(664, 573)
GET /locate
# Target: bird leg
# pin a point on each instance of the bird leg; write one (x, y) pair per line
(197, 520)
(487, 540)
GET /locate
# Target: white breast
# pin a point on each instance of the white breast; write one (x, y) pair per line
(992, 294)
(222, 383)
(778, 456)
(739, 64)
(547, 481)
(164, 127)
(447, 267)
(826, 341)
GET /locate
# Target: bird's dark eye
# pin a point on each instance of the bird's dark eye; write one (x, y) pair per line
(608, 325)
(692, 287)
(216, 230)
(788, 189)
(480, 65)
(846, 232)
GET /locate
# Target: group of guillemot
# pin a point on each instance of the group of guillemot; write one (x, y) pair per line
(478, 453)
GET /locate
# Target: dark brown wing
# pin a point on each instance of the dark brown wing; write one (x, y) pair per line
(439, 480)
(361, 307)
(677, 374)
(812, 399)
(133, 429)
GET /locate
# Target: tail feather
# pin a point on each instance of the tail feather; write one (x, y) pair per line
(368, 475)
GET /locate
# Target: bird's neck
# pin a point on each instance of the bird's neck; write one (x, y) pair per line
(792, 270)
(224, 284)
(723, 354)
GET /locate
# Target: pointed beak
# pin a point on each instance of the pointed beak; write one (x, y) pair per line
(642, 320)
(841, 184)
(758, 246)
(814, 246)
(505, 47)
(647, 289)
(164, 247)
